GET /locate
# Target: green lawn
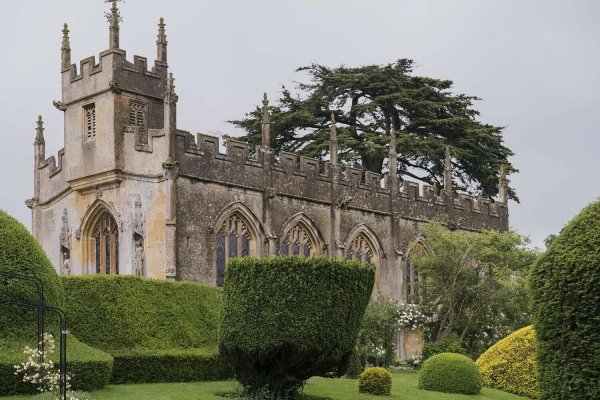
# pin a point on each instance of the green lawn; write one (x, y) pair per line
(404, 387)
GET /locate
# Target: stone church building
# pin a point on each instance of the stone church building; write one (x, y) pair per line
(131, 193)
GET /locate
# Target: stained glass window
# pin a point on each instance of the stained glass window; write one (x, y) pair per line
(300, 241)
(233, 239)
(360, 249)
(105, 245)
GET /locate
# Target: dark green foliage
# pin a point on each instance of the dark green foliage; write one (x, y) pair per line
(171, 365)
(368, 101)
(21, 254)
(376, 380)
(356, 365)
(449, 345)
(286, 319)
(450, 373)
(157, 331)
(565, 288)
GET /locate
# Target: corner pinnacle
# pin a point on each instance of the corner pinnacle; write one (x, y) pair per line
(65, 50)
(39, 131)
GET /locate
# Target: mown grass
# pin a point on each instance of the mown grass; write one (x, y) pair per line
(404, 387)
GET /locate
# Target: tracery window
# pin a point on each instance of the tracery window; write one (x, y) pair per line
(298, 242)
(361, 249)
(413, 276)
(234, 239)
(105, 245)
(89, 121)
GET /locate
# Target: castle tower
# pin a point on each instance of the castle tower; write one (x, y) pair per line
(104, 205)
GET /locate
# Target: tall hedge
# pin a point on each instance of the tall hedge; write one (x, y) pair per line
(565, 288)
(157, 331)
(286, 319)
(509, 364)
(20, 254)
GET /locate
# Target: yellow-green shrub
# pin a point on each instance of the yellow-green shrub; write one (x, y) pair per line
(509, 365)
(375, 380)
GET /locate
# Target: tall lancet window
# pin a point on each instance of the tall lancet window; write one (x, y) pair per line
(412, 275)
(361, 249)
(105, 245)
(234, 239)
(299, 242)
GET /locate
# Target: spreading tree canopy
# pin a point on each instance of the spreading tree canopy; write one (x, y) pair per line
(367, 103)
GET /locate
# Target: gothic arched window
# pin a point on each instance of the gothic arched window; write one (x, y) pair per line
(299, 242)
(412, 276)
(360, 248)
(105, 245)
(234, 239)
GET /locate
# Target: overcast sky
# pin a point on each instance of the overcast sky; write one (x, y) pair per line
(535, 64)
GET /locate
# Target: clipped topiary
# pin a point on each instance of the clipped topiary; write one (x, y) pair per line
(565, 284)
(509, 365)
(286, 319)
(156, 330)
(450, 373)
(448, 345)
(21, 254)
(376, 381)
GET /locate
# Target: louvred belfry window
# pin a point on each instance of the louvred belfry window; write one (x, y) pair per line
(89, 121)
(233, 239)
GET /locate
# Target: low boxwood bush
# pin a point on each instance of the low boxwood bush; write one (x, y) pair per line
(157, 331)
(20, 253)
(450, 373)
(286, 319)
(566, 302)
(376, 381)
(509, 364)
(448, 345)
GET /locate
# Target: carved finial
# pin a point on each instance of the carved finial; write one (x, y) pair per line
(39, 131)
(161, 42)
(503, 185)
(114, 19)
(266, 123)
(65, 50)
(170, 96)
(447, 171)
(333, 142)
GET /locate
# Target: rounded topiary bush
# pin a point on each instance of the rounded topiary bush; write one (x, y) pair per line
(450, 373)
(375, 380)
(565, 284)
(21, 254)
(509, 365)
(286, 319)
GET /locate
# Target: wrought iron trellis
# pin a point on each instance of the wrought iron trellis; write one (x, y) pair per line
(41, 307)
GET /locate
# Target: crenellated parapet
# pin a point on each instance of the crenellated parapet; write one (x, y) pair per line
(307, 179)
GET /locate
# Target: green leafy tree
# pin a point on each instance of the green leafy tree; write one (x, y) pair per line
(474, 284)
(368, 102)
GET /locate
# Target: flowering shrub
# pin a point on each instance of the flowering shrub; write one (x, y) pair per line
(40, 370)
(410, 316)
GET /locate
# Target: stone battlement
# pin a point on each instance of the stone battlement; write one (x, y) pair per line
(295, 176)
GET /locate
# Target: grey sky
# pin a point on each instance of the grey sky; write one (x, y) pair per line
(536, 64)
